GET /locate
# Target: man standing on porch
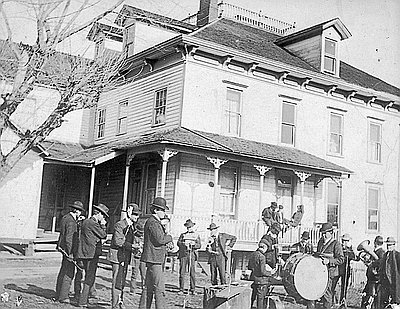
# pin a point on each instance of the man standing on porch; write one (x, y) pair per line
(269, 214)
(154, 251)
(217, 249)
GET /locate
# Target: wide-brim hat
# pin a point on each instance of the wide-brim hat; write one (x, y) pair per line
(212, 226)
(77, 205)
(326, 227)
(390, 241)
(135, 208)
(346, 237)
(274, 204)
(305, 235)
(102, 208)
(189, 223)
(160, 203)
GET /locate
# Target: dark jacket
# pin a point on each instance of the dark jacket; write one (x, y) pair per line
(348, 257)
(271, 255)
(183, 250)
(257, 266)
(222, 240)
(155, 240)
(334, 253)
(301, 247)
(90, 239)
(390, 273)
(121, 243)
(68, 239)
(373, 268)
(269, 216)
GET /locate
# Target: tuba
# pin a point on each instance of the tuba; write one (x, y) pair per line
(367, 254)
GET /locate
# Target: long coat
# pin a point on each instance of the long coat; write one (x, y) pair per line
(390, 273)
(155, 240)
(257, 264)
(68, 239)
(121, 243)
(334, 253)
(90, 239)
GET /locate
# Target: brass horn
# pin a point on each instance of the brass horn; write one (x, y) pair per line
(367, 254)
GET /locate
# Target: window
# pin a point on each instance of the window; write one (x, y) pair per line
(336, 134)
(228, 180)
(288, 128)
(101, 122)
(232, 112)
(375, 142)
(373, 202)
(330, 55)
(160, 106)
(122, 117)
(333, 198)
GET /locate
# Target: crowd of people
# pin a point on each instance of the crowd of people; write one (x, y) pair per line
(144, 247)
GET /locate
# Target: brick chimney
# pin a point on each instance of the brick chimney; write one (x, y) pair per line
(208, 12)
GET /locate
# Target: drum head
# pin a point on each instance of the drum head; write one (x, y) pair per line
(311, 277)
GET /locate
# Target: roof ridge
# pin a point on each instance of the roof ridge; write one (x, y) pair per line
(207, 138)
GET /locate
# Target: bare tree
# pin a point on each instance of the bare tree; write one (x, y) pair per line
(23, 67)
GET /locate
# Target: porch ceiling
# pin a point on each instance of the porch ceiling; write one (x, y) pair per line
(234, 148)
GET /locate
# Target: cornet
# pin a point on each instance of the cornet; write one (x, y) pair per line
(367, 254)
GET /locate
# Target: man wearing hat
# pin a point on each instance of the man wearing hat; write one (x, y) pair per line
(120, 252)
(154, 252)
(303, 245)
(390, 274)
(261, 270)
(67, 245)
(219, 244)
(344, 268)
(138, 267)
(188, 244)
(269, 214)
(93, 230)
(271, 254)
(331, 253)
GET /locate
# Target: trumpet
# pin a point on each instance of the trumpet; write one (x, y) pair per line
(367, 254)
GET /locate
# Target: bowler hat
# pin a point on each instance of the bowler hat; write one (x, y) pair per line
(189, 223)
(274, 205)
(326, 227)
(390, 241)
(305, 235)
(378, 240)
(135, 208)
(160, 203)
(102, 208)
(77, 205)
(212, 226)
(346, 237)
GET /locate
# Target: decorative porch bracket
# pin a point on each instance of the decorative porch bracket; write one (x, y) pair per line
(318, 180)
(165, 154)
(302, 176)
(337, 181)
(217, 162)
(262, 169)
(129, 157)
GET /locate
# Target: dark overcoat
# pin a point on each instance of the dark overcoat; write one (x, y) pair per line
(90, 239)
(332, 250)
(121, 243)
(68, 239)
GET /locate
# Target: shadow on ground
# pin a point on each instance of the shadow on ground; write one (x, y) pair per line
(32, 289)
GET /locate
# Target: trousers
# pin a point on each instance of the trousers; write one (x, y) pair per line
(118, 282)
(64, 279)
(259, 292)
(344, 282)
(138, 268)
(184, 269)
(90, 268)
(154, 287)
(218, 263)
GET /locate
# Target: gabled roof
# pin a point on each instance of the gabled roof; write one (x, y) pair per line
(127, 12)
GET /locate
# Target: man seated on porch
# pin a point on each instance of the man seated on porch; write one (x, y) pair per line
(261, 270)
(269, 214)
(218, 247)
(303, 245)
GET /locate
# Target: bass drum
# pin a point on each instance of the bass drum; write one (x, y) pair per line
(304, 276)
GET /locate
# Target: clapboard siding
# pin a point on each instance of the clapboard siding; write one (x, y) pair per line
(250, 179)
(141, 95)
(196, 169)
(308, 49)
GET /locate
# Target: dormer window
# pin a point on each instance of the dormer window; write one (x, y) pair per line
(330, 56)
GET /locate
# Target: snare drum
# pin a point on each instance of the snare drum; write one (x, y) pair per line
(304, 276)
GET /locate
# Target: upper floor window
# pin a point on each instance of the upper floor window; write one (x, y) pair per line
(288, 127)
(333, 202)
(160, 106)
(122, 117)
(228, 180)
(336, 134)
(232, 112)
(375, 142)
(330, 56)
(101, 122)
(373, 202)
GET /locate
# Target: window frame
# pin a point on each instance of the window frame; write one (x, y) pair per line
(327, 55)
(294, 125)
(339, 188)
(235, 192)
(120, 118)
(227, 113)
(100, 126)
(341, 134)
(155, 107)
(369, 154)
(378, 209)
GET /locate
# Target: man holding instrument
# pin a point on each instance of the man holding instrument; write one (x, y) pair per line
(331, 253)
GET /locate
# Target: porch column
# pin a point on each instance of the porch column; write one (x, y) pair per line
(217, 162)
(91, 194)
(302, 176)
(262, 169)
(129, 158)
(165, 155)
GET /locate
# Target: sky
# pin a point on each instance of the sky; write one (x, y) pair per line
(374, 24)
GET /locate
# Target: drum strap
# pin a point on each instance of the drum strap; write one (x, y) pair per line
(325, 246)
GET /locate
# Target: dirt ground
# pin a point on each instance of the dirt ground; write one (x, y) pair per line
(33, 279)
